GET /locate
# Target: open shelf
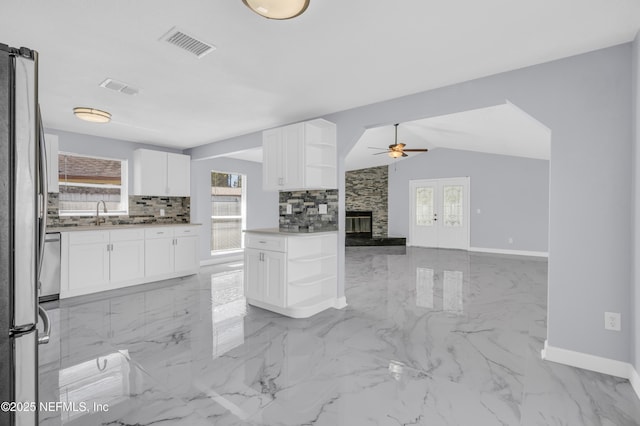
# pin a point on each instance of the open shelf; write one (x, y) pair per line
(312, 258)
(311, 280)
(321, 166)
(322, 144)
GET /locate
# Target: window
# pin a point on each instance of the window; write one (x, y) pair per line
(84, 181)
(227, 211)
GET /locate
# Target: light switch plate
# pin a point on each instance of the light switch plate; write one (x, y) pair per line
(322, 209)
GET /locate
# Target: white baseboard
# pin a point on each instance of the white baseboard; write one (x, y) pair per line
(595, 363)
(341, 302)
(513, 252)
(634, 379)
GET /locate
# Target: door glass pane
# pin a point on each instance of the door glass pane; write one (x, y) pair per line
(424, 206)
(452, 205)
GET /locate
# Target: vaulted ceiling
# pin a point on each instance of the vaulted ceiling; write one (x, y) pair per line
(337, 55)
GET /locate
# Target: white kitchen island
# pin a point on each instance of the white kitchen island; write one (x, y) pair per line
(293, 274)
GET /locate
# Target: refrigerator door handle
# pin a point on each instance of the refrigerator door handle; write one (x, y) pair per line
(44, 197)
(46, 334)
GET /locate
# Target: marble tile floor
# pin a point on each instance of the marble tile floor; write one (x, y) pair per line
(430, 337)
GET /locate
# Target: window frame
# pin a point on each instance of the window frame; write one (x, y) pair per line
(243, 214)
(124, 187)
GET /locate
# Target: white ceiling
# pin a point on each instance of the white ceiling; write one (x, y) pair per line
(337, 55)
(502, 129)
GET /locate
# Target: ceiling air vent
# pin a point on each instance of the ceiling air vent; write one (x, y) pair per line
(189, 43)
(119, 86)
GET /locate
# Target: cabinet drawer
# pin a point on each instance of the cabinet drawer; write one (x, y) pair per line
(185, 231)
(88, 237)
(152, 233)
(127, 235)
(265, 242)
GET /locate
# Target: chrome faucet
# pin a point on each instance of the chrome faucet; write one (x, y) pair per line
(104, 209)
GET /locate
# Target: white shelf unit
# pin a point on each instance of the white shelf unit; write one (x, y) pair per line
(294, 275)
(300, 156)
(311, 268)
(320, 154)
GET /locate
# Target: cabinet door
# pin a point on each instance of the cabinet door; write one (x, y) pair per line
(253, 276)
(186, 254)
(272, 173)
(274, 276)
(127, 260)
(150, 172)
(158, 256)
(292, 156)
(88, 265)
(178, 175)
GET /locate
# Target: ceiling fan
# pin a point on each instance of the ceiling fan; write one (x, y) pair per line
(396, 149)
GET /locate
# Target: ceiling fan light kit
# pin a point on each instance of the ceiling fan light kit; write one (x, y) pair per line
(92, 115)
(396, 150)
(278, 9)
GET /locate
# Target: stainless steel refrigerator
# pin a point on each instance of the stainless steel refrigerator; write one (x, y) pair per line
(23, 200)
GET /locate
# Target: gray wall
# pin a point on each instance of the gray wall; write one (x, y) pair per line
(511, 192)
(262, 206)
(103, 147)
(585, 100)
(635, 285)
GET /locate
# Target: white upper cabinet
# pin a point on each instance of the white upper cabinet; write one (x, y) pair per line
(161, 173)
(300, 156)
(51, 146)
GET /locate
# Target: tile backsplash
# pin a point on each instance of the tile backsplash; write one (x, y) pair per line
(142, 210)
(306, 211)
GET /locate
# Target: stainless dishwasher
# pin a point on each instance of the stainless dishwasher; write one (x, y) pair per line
(49, 285)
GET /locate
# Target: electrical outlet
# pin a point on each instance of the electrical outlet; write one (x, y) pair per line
(322, 209)
(161, 212)
(510, 240)
(289, 209)
(612, 321)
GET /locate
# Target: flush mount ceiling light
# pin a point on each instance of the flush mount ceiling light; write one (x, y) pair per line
(278, 9)
(92, 115)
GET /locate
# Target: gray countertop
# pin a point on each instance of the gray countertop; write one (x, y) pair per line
(276, 231)
(110, 227)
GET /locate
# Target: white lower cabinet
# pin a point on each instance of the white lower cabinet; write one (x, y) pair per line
(265, 275)
(126, 256)
(93, 261)
(292, 274)
(90, 253)
(99, 258)
(169, 250)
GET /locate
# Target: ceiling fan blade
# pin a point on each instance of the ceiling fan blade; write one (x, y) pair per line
(416, 150)
(378, 153)
(404, 155)
(373, 147)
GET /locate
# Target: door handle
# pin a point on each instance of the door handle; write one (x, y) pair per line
(46, 334)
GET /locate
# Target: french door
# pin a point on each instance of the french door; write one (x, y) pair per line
(439, 213)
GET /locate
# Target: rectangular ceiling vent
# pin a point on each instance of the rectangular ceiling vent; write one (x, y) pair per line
(189, 43)
(119, 86)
